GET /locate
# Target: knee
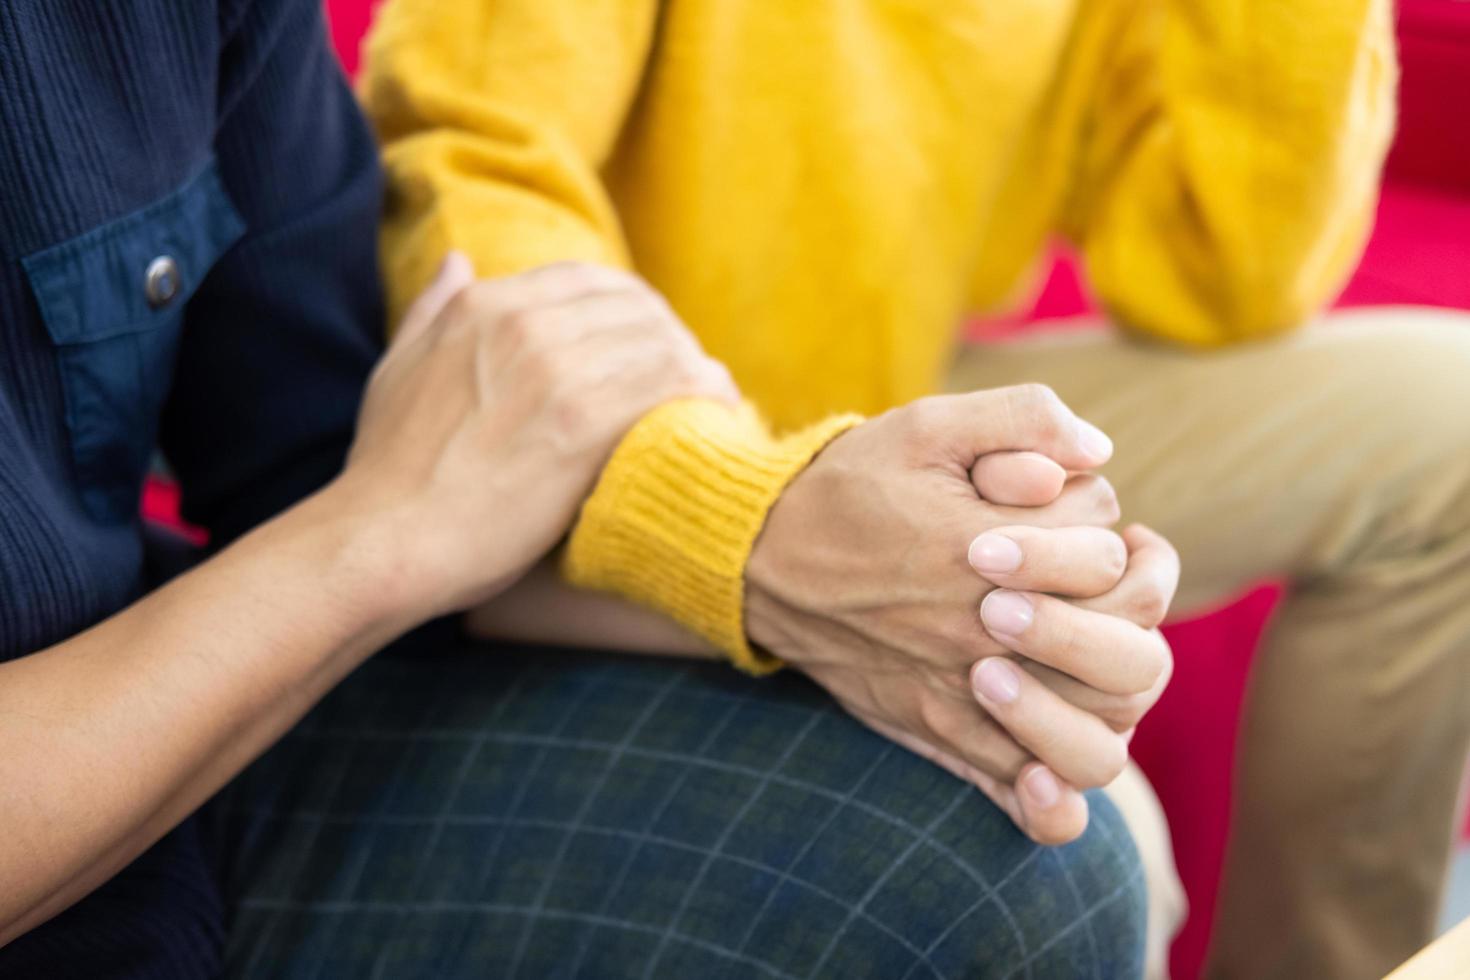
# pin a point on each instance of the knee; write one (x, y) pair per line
(1402, 375)
(1393, 384)
(979, 900)
(1104, 915)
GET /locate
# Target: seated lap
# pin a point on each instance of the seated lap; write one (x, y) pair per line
(492, 813)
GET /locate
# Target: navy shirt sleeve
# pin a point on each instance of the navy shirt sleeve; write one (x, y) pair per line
(281, 336)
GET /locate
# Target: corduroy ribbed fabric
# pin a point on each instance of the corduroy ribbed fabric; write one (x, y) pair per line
(129, 131)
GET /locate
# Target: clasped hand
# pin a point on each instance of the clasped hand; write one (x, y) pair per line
(940, 555)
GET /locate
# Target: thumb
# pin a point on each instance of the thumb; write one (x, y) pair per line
(1022, 418)
(455, 273)
(1017, 479)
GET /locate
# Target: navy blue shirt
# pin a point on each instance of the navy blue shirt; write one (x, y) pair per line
(188, 214)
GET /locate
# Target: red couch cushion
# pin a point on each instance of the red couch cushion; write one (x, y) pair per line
(1433, 145)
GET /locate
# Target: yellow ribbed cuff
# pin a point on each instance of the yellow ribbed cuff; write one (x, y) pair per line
(677, 511)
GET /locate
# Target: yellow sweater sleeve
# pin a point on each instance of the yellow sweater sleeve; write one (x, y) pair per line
(678, 509)
(1229, 168)
(495, 118)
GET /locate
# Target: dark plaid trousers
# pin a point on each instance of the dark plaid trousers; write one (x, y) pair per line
(485, 812)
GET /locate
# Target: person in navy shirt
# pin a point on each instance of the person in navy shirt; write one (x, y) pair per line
(189, 202)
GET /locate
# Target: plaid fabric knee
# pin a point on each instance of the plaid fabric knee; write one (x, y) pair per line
(489, 813)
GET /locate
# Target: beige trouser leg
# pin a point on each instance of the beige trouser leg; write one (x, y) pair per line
(1339, 460)
(1167, 904)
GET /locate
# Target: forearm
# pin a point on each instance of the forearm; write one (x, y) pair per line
(447, 498)
(541, 608)
(120, 732)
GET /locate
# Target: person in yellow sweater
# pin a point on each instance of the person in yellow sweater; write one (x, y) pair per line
(822, 192)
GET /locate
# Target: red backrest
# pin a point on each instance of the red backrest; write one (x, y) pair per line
(1433, 145)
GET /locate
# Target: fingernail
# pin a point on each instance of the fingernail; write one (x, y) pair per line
(996, 681)
(994, 553)
(1043, 788)
(1006, 612)
(1094, 442)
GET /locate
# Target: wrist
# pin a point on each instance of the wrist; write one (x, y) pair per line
(357, 558)
(763, 619)
(806, 554)
(776, 570)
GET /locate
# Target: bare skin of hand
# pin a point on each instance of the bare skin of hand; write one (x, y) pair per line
(520, 388)
(863, 578)
(1049, 711)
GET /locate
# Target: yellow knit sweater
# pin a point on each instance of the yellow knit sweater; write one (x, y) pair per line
(823, 189)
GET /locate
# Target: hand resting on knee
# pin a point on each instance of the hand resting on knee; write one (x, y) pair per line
(926, 554)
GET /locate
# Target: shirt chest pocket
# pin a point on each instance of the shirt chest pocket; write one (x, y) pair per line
(113, 302)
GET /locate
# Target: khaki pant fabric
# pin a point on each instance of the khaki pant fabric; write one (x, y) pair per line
(1135, 799)
(1338, 460)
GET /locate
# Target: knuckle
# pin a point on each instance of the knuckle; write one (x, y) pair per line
(1123, 711)
(955, 683)
(520, 327)
(1147, 606)
(713, 379)
(1042, 409)
(925, 417)
(1115, 556)
(1035, 395)
(1169, 570)
(954, 722)
(1112, 760)
(1104, 500)
(680, 359)
(682, 381)
(472, 304)
(662, 373)
(1165, 672)
(575, 418)
(934, 716)
(573, 276)
(654, 306)
(683, 374)
(1105, 759)
(1151, 667)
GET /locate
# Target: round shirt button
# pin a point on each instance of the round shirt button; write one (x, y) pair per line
(161, 281)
